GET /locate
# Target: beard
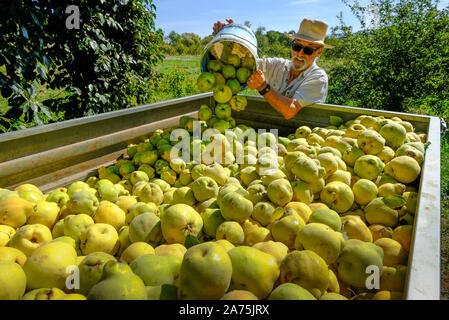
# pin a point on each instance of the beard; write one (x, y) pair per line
(299, 64)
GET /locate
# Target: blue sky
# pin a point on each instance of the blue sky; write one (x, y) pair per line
(198, 16)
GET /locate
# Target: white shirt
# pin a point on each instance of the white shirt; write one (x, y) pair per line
(308, 88)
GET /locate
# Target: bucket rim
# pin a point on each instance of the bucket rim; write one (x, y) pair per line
(207, 47)
(239, 25)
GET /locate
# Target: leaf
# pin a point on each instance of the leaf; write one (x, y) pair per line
(394, 201)
(25, 107)
(37, 119)
(93, 44)
(33, 107)
(31, 91)
(335, 121)
(24, 32)
(76, 90)
(427, 145)
(45, 110)
(16, 88)
(169, 292)
(46, 62)
(191, 241)
(41, 71)
(36, 20)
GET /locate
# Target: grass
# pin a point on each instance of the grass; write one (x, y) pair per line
(178, 78)
(42, 94)
(189, 64)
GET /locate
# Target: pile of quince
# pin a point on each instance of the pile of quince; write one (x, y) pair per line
(340, 205)
(226, 77)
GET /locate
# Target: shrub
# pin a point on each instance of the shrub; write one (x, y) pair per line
(104, 65)
(401, 64)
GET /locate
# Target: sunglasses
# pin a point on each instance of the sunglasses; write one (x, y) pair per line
(307, 50)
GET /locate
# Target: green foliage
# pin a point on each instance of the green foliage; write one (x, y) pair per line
(184, 44)
(173, 84)
(103, 66)
(402, 65)
(273, 44)
(270, 44)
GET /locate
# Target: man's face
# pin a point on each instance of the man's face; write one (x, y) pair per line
(302, 61)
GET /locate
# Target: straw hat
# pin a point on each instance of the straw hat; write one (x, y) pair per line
(312, 31)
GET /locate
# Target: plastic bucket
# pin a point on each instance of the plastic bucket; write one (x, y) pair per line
(231, 39)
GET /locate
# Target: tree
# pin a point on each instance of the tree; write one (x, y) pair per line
(173, 38)
(262, 41)
(401, 65)
(104, 65)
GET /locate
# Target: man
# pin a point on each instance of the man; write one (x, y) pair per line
(290, 85)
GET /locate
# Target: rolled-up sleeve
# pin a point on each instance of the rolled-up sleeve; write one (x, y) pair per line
(312, 90)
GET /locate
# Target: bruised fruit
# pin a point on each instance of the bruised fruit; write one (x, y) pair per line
(13, 280)
(290, 291)
(306, 269)
(378, 212)
(157, 270)
(370, 142)
(46, 266)
(235, 207)
(380, 231)
(205, 272)
(337, 196)
(320, 239)
(275, 248)
(14, 212)
(178, 221)
(355, 259)
(368, 167)
(326, 216)
(136, 250)
(253, 270)
(285, 230)
(280, 192)
(394, 253)
(231, 231)
(118, 283)
(355, 228)
(404, 169)
(239, 295)
(364, 191)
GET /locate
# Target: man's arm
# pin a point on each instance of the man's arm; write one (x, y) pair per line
(288, 107)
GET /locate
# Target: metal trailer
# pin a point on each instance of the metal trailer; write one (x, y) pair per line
(55, 155)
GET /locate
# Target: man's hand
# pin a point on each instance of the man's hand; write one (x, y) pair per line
(257, 81)
(219, 25)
